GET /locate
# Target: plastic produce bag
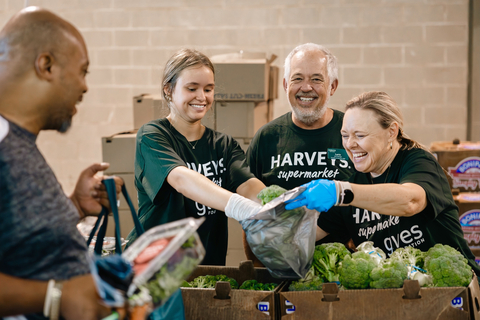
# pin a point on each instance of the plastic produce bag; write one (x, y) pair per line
(284, 241)
(162, 258)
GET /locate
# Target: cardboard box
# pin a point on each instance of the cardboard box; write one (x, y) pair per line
(234, 304)
(462, 163)
(119, 151)
(244, 76)
(147, 107)
(469, 215)
(408, 303)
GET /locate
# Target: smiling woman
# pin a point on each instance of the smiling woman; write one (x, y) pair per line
(184, 169)
(399, 195)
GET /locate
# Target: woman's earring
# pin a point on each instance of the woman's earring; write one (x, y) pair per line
(391, 145)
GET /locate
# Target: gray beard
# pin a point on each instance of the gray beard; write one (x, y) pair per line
(308, 116)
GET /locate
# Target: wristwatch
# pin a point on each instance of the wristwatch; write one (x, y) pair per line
(56, 297)
(344, 193)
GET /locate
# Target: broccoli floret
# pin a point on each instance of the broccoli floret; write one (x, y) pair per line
(389, 274)
(327, 258)
(412, 257)
(269, 193)
(448, 267)
(300, 285)
(209, 281)
(233, 282)
(255, 285)
(355, 270)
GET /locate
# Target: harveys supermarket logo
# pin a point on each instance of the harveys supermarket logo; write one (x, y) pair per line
(466, 174)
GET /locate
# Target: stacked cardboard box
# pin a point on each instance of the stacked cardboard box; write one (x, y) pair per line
(461, 162)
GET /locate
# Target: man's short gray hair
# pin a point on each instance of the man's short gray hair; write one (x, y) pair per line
(332, 68)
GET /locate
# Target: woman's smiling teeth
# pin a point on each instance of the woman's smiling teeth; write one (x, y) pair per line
(198, 106)
(359, 155)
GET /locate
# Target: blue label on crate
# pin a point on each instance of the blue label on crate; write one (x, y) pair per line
(457, 302)
(263, 306)
(290, 308)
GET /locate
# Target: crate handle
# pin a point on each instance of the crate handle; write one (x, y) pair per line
(222, 290)
(411, 288)
(330, 292)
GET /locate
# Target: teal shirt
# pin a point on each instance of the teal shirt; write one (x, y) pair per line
(159, 149)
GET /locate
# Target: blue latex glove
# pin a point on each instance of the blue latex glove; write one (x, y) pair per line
(320, 195)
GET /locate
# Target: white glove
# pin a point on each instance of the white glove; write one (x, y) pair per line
(241, 208)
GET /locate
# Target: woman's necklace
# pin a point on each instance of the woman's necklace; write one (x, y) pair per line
(191, 145)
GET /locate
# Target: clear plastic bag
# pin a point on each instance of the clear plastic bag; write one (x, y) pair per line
(284, 241)
(163, 274)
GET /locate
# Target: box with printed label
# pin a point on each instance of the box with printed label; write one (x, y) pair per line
(461, 162)
(244, 76)
(408, 303)
(233, 304)
(469, 214)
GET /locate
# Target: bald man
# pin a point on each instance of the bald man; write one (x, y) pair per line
(43, 63)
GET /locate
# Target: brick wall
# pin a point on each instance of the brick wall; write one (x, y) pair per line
(416, 50)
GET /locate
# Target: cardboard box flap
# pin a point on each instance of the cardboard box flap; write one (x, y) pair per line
(451, 146)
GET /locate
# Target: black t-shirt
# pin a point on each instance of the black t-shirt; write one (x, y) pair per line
(437, 223)
(284, 154)
(161, 148)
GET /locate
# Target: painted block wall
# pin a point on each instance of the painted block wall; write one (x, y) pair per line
(415, 50)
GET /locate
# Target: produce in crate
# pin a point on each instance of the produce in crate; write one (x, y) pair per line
(355, 270)
(448, 267)
(309, 283)
(327, 258)
(162, 258)
(390, 273)
(209, 281)
(258, 286)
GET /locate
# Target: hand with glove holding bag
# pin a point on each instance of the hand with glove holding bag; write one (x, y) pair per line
(323, 194)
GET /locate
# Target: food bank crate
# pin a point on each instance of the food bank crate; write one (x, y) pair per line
(233, 304)
(462, 163)
(408, 303)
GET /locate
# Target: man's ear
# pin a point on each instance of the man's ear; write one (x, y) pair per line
(43, 65)
(334, 86)
(285, 84)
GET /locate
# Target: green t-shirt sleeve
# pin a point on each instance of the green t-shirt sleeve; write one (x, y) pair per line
(155, 158)
(422, 169)
(238, 170)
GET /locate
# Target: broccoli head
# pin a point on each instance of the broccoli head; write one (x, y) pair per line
(314, 284)
(269, 193)
(355, 270)
(448, 267)
(327, 258)
(209, 281)
(255, 285)
(389, 274)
